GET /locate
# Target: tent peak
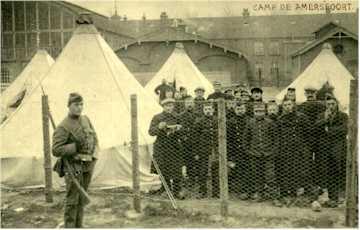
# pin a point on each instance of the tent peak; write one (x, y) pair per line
(86, 29)
(84, 18)
(326, 46)
(179, 45)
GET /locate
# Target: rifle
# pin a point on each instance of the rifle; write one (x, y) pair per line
(82, 191)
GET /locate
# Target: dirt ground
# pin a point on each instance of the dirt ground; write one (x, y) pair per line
(109, 209)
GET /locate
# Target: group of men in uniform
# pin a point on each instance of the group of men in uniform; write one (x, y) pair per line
(276, 152)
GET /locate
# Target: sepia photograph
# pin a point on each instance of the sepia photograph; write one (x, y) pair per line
(179, 114)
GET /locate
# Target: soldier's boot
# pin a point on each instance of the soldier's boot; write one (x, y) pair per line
(80, 216)
(70, 216)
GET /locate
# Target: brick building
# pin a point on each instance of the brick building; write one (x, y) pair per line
(262, 50)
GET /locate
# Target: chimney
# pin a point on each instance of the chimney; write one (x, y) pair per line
(163, 18)
(246, 15)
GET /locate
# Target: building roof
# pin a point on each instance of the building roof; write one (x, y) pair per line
(102, 22)
(270, 26)
(273, 26)
(178, 34)
(330, 33)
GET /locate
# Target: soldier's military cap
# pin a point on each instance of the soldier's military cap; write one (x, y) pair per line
(244, 92)
(256, 90)
(208, 103)
(259, 106)
(167, 101)
(227, 90)
(291, 89)
(271, 102)
(199, 89)
(74, 97)
(310, 89)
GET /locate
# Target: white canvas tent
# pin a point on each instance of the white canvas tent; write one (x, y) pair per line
(87, 65)
(181, 69)
(34, 71)
(326, 67)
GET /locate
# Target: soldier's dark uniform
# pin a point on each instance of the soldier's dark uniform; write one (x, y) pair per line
(75, 139)
(187, 120)
(198, 109)
(294, 152)
(312, 109)
(167, 149)
(260, 143)
(239, 175)
(206, 140)
(331, 153)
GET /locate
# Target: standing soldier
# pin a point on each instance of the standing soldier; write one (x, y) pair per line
(294, 151)
(187, 120)
(167, 147)
(199, 100)
(291, 94)
(230, 93)
(218, 94)
(230, 109)
(312, 108)
(205, 140)
(238, 158)
(161, 90)
(75, 142)
(256, 97)
(179, 103)
(272, 110)
(260, 143)
(331, 131)
(183, 92)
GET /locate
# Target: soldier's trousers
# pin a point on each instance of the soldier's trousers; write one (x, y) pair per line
(74, 203)
(331, 174)
(262, 172)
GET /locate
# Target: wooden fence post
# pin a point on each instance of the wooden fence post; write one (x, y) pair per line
(47, 155)
(223, 177)
(351, 159)
(135, 153)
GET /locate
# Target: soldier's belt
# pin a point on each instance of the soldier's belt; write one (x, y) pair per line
(83, 157)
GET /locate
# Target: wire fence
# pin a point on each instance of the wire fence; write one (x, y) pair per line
(293, 155)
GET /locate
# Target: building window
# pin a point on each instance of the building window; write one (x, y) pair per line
(19, 16)
(68, 20)
(259, 48)
(55, 17)
(274, 71)
(43, 15)
(6, 15)
(258, 72)
(274, 48)
(5, 76)
(30, 18)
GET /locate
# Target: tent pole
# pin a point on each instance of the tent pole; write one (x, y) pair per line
(351, 159)
(135, 153)
(47, 157)
(223, 177)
